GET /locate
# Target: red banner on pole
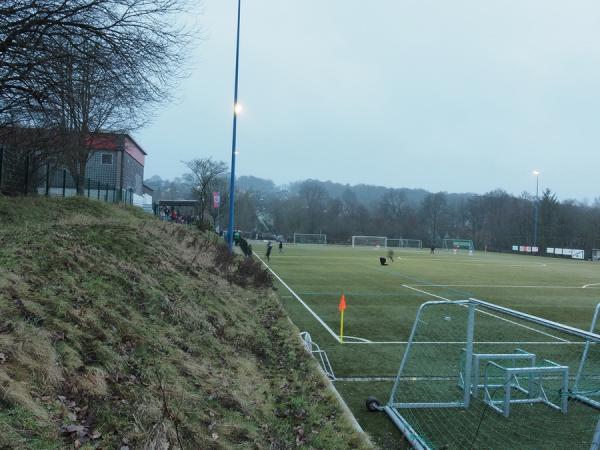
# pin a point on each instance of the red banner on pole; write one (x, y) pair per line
(216, 200)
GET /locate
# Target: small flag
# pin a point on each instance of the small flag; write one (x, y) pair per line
(342, 305)
(342, 308)
(216, 200)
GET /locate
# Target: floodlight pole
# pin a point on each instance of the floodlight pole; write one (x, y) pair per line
(234, 138)
(536, 207)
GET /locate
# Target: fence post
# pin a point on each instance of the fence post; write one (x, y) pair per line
(47, 179)
(89, 186)
(1, 159)
(64, 182)
(106, 194)
(27, 164)
(98, 187)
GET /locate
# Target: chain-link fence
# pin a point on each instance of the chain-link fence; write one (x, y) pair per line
(60, 183)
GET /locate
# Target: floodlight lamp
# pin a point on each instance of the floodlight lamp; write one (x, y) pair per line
(536, 172)
(238, 108)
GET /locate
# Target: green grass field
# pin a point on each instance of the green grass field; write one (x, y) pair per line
(382, 303)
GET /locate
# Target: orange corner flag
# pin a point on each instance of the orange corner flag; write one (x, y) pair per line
(342, 305)
(342, 308)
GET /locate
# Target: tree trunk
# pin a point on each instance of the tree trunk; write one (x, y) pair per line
(80, 178)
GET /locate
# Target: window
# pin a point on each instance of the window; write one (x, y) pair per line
(107, 158)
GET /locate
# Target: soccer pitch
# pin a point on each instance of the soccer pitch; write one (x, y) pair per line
(382, 302)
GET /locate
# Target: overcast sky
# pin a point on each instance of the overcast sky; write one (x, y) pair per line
(458, 96)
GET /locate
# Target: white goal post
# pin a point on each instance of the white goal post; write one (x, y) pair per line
(304, 238)
(458, 244)
(369, 241)
(596, 254)
(405, 243)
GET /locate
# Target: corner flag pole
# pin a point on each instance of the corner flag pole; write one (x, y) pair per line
(342, 308)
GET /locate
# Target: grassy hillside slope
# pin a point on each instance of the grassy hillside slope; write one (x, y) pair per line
(117, 330)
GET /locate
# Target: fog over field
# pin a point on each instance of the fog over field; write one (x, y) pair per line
(459, 96)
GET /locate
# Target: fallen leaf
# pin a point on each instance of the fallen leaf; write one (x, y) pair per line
(96, 435)
(215, 436)
(72, 428)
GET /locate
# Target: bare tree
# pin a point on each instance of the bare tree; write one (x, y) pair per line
(314, 198)
(80, 66)
(391, 210)
(433, 209)
(204, 172)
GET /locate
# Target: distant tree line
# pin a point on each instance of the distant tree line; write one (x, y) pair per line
(496, 220)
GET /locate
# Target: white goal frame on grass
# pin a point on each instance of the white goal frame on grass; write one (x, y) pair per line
(596, 254)
(405, 243)
(472, 361)
(463, 244)
(319, 238)
(584, 394)
(369, 241)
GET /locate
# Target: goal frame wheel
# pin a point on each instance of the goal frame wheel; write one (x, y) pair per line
(373, 404)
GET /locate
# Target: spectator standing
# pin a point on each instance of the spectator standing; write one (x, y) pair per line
(269, 248)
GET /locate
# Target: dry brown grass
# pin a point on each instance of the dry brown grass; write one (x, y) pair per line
(127, 329)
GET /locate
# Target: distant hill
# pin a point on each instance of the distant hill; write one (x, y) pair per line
(367, 194)
(370, 195)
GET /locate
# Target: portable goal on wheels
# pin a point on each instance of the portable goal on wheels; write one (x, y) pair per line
(369, 241)
(458, 244)
(404, 243)
(303, 238)
(479, 375)
(587, 385)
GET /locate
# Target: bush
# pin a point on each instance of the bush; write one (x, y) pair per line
(251, 272)
(223, 259)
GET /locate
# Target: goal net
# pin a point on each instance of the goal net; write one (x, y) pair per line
(596, 254)
(369, 241)
(587, 385)
(458, 244)
(302, 238)
(479, 375)
(405, 243)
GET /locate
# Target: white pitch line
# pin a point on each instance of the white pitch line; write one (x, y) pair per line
(475, 342)
(364, 379)
(359, 340)
(499, 286)
(314, 314)
(490, 314)
(591, 284)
